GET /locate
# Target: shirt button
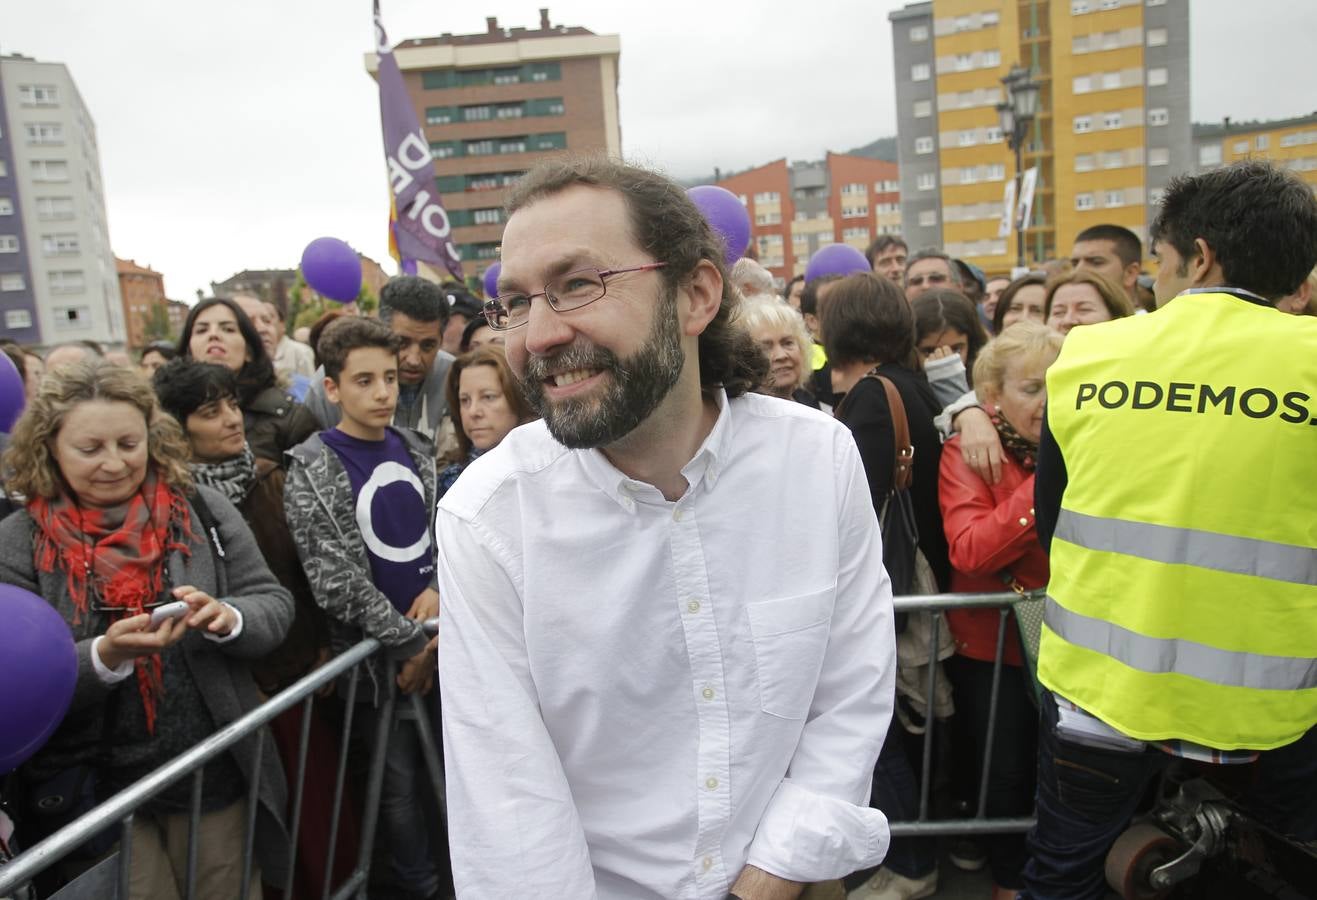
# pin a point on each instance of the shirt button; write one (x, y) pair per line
(1023, 520)
(693, 606)
(676, 515)
(707, 862)
(711, 783)
(707, 693)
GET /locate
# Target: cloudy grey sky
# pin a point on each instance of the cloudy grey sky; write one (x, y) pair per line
(233, 133)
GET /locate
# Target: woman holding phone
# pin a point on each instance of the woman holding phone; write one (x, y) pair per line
(113, 533)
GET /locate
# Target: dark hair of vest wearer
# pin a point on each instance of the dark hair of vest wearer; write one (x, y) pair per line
(1260, 222)
(415, 298)
(1008, 294)
(809, 297)
(257, 373)
(183, 386)
(668, 227)
(936, 311)
(867, 319)
(881, 243)
(1128, 246)
(930, 253)
(349, 333)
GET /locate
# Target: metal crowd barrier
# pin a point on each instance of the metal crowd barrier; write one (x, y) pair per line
(122, 807)
(924, 826)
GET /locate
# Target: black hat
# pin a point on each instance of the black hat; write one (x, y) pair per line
(462, 304)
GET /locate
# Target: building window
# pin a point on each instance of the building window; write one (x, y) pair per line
(476, 113)
(923, 145)
(919, 72)
(891, 187)
(1082, 84)
(545, 71)
(18, 318)
(996, 172)
(553, 141)
(12, 282)
(1110, 81)
(1157, 37)
(72, 316)
(54, 208)
(1111, 120)
(8, 243)
(67, 281)
(969, 175)
(438, 115)
(1240, 147)
(49, 170)
(38, 94)
(854, 212)
(969, 137)
(545, 106)
(926, 181)
(991, 59)
(507, 76)
(1209, 155)
(1084, 201)
(443, 149)
(44, 133)
(1083, 124)
(963, 62)
(478, 148)
(852, 234)
(1078, 7)
(1159, 116)
(6, 206)
(1084, 162)
(1156, 2)
(509, 111)
(923, 109)
(993, 134)
(487, 216)
(927, 217)
(854, 188)
(1262, 142)
(512, 145)
(768, 197)
(918, 33)
(60, 244)
(1157, 77)
(1115, 198)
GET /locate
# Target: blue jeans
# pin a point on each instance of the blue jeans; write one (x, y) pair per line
(1087, 796)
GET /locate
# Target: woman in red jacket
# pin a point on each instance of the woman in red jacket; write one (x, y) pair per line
(992, 543)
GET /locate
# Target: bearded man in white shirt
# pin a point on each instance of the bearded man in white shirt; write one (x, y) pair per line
(666, 639)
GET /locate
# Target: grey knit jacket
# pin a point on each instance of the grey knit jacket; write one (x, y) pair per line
(221, 671)
(321, 511)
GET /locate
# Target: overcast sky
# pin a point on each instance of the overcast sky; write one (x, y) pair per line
(232, 134)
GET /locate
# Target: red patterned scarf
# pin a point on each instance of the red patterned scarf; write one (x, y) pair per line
(116, 564)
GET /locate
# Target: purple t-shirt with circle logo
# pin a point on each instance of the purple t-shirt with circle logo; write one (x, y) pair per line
(390, 513)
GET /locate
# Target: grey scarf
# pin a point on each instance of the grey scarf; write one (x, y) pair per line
(233, 478)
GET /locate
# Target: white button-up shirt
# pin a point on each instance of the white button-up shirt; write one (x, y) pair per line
(642, 696)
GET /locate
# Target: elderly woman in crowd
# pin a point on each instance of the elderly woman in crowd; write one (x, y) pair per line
(112, 530)
(1084, 297)
(782, 334)
(992, 542)
(218, 331)
(487, 402)
(948, 336)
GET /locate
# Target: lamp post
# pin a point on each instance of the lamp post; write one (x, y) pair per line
(1019, 109)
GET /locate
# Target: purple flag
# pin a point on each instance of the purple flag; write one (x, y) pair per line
(420, 227)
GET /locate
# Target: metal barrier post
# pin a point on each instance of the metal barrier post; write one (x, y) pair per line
(303, 742)
(924, 776)
(249, 830)
(125, 856)
(375, 785)
(339, 781)
(992, 712)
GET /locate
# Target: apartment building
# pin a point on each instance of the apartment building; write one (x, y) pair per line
(1112, 128)
(494, 103)
(58, 280)
(799, 207)
(1288, 142)
(142, 290)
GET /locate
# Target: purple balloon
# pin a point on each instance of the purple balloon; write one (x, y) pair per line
(38, 670)
(836, 259)
(726, 215)
(12, 397)
(490, 280)
(333, 269)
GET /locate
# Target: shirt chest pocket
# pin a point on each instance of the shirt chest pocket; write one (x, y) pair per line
(790, 638)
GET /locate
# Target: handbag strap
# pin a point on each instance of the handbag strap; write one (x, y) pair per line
(903, 470)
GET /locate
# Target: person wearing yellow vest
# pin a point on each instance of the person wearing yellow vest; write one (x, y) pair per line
(1177, 489)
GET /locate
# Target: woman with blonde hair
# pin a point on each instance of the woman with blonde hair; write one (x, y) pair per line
(113, 530)
(781, 332)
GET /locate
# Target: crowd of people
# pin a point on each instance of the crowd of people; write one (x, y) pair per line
(285, 494)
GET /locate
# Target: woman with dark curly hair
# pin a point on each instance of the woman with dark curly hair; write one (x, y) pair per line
(218, 331)
(112, 530)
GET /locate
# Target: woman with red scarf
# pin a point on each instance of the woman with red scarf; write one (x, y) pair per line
(992, 543)
(111, 531)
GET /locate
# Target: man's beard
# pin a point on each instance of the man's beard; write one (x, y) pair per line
(638, 384)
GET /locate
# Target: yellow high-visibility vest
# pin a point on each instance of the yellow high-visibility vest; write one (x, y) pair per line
(1183, 594)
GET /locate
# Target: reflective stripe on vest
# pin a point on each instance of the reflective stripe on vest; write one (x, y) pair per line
(1188, 546)
(1181, 657)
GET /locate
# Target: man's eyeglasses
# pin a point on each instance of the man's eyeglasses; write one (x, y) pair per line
(566, 292)
(930, 278)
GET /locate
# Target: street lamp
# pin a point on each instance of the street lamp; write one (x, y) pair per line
(1016, 113)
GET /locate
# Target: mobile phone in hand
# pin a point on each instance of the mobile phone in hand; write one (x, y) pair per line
(168, 611)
